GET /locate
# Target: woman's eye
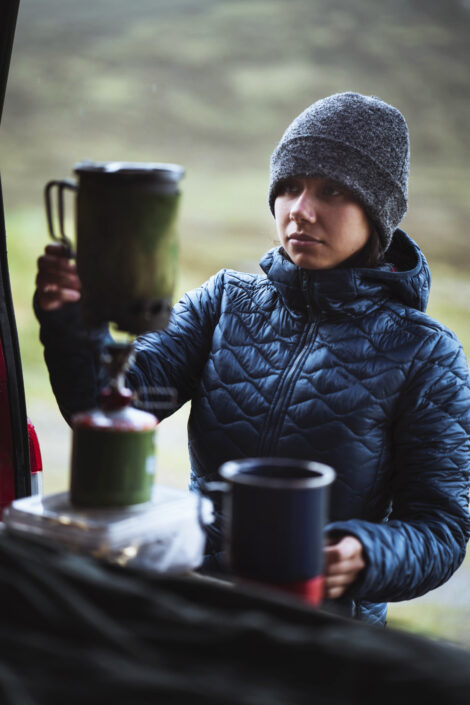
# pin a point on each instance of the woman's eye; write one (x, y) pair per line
(332, 191)
(290, 187)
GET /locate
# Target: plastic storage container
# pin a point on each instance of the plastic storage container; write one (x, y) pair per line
(163, 535)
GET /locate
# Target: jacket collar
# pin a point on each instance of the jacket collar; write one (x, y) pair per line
(352, 291)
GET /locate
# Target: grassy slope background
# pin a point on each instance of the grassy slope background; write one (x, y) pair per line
(212, 85)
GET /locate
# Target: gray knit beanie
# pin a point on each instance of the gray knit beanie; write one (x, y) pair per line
(358, 141)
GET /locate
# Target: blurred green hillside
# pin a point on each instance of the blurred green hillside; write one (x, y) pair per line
(212, 84)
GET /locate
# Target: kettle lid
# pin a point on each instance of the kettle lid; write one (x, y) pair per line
(161, 171)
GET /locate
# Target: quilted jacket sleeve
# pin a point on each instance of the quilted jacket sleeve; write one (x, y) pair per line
(173, 357)
(424, 540)
(176, 356)
(72, 355)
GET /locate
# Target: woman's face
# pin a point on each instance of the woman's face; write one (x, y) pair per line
(319, 223)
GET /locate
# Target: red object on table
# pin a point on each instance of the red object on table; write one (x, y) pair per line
(310, 591)
(35, 460)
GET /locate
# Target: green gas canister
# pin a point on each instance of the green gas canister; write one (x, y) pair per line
(113, 445)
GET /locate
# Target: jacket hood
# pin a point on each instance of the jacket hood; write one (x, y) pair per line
(404, 277)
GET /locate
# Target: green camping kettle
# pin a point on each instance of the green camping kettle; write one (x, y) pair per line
(126, 240)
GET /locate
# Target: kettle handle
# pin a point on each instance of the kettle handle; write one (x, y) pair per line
(61, 186)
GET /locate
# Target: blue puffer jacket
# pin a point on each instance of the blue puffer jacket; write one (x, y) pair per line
(341, 366)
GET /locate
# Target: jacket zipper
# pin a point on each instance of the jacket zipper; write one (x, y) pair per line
(291, 374)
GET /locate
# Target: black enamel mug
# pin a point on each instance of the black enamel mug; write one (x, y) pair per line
(274, 513)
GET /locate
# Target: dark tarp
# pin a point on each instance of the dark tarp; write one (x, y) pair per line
(74, 630)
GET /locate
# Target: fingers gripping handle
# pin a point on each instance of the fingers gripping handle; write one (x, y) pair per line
(60, 186)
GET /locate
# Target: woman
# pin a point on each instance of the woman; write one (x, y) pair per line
(330, 357)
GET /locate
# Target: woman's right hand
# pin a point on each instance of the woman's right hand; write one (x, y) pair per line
(57, 281)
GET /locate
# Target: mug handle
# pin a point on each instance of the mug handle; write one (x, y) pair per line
(208, 488)
(60, 185)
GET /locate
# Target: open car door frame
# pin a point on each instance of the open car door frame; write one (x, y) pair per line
(15, 477)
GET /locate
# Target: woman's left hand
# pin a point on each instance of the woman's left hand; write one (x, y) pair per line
(344, 561)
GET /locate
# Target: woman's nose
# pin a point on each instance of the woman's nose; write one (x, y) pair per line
(304, 208)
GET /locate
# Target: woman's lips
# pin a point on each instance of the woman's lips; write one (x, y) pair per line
(299, 240)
